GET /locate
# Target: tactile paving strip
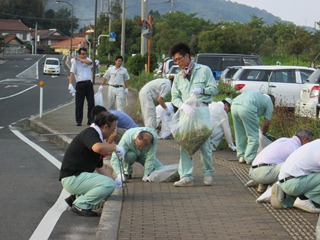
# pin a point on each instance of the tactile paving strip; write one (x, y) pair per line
(292, 221)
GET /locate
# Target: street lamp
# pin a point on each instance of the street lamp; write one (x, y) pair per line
(59, 1)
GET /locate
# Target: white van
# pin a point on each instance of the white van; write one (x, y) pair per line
(51, 66)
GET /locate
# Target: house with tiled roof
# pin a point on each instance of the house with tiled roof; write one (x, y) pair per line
(14, 45)
(12, 26)
(63, 47)
(47, 37)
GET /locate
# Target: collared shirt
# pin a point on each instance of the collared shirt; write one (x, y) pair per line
(157, 87)
(303, 161)
(124, 121)
(277, 151)
(116, 76)
(82, 71)
(255, 102)
(219, 118)
(201, 77)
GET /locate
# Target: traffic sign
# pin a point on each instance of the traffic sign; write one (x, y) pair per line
(112, 35)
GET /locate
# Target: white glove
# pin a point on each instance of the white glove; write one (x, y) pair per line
(120, 152)
(118, 183)
(121, 176)
(71, 89)
(197, 91)
(126, 91)
(100, 88)
(187, 109)
(146, 178)
(234, 148)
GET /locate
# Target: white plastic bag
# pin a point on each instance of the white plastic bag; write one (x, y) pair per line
(263, 141)
(166, 173)
(98, 99)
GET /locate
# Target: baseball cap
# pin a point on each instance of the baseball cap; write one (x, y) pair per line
(228, 100)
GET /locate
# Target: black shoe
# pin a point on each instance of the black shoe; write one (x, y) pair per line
(128, 176)
(84, 212)
(78, 124)
(70, 200)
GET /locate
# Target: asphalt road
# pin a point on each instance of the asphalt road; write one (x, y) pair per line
(29, 181)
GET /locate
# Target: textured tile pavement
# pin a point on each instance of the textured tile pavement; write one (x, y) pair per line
(225, 210)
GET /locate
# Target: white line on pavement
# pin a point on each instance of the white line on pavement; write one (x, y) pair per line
(49, 221)
(13, 95)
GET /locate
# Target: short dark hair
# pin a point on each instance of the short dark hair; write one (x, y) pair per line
(104, 118)
(181, 48)
(82, 49)
(305, 133)
(119, 57)
(97, 109)
(141, 135)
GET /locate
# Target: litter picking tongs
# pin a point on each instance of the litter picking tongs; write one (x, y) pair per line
(124, 186)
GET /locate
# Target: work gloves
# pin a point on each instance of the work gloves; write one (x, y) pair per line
(234, 148)
(119, 180)
(126, 91)
(100, 88)
(120, 152)
(197, 91)
(187, 109)
(71, 89)
(146, 178)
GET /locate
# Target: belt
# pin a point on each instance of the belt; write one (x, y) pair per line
(84, 81)
(116, 86)
(286, 179)
(261, 165)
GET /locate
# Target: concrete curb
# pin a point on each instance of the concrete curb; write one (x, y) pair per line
(111, 212)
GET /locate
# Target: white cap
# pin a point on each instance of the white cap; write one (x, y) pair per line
(228, 100)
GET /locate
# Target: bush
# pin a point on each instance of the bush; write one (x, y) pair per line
(135, 64)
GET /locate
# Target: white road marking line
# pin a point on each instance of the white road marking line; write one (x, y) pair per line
(49, 221)
(13, 95)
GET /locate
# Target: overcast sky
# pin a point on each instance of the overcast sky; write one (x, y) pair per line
(300, 12)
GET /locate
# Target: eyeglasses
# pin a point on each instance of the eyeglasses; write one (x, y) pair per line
(84, 53)
(178, 59)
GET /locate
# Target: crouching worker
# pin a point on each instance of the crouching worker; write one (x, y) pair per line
(82, 159)
(140, 145)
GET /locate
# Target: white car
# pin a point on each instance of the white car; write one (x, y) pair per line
(174, 70)
(51, 66)
(284, 82)
(307, 104)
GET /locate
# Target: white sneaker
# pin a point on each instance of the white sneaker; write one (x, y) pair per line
(265, 197)
(277, 196)
(241, 160)
(207, 180)
(306, 205)
(214, 148)
(184, 182)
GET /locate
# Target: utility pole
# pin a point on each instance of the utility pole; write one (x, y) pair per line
(110, 21)
(143, 17)
(36, 39)
(94, 43)
(123, 28)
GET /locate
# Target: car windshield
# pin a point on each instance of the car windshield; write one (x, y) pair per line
(52, 62)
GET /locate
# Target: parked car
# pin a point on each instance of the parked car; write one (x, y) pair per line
(174, 70)
(284, 82)
(51, 66)
(228, 73)
(220, 61)
(307, 104)
(167, 64)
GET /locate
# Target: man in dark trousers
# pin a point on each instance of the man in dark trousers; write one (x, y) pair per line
(81, 71)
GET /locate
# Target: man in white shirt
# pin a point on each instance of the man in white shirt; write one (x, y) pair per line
(155, 90)
(117, 78)
(163, 120)
(299, 180)
(220, 123)
(81, 72)
(266, 166)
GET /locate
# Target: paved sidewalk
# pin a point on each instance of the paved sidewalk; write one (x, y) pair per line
(225, 210)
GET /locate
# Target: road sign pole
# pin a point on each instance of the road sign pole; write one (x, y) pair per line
(41, 84)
